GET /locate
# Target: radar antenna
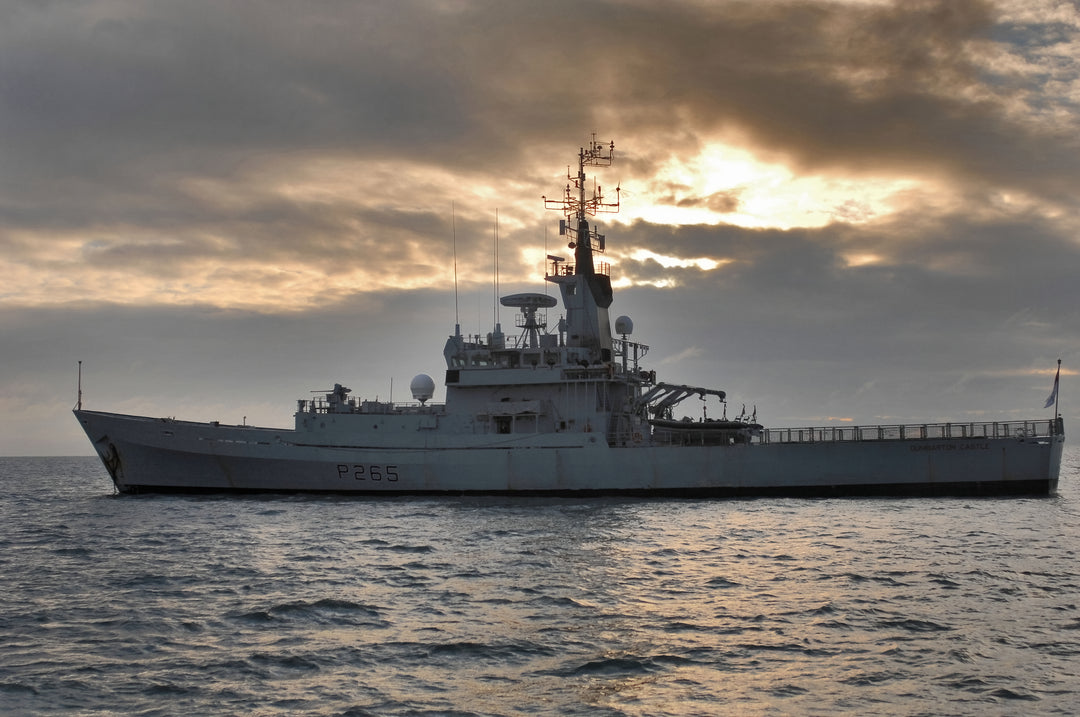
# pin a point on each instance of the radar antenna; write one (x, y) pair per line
(576, 205)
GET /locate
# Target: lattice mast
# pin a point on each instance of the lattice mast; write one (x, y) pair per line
(577, 206)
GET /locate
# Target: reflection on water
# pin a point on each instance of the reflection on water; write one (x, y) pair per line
(304, 605)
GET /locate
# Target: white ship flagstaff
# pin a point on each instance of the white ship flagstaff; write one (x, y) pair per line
(570, 409)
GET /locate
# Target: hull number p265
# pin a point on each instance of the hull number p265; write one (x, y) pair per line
(367, 472)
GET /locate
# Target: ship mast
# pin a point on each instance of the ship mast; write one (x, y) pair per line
(586, 288)
(576, 205)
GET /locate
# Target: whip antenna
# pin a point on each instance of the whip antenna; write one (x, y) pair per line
(453, 230)
(495, 282)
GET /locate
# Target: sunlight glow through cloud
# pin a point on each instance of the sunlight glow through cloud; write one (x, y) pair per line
(854, 260)
(727, 184)
(667, 262)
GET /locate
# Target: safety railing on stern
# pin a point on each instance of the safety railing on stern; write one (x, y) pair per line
(942, 431)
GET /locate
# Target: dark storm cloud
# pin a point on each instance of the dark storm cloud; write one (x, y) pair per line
(235, 75)
(858, 88)
(102, 98)
(725, 202)
(790, 327)
(984, 293)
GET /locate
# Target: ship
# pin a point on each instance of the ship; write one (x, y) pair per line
(570, 409)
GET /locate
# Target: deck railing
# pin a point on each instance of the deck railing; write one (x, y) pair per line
(922, 431)
(321, 405)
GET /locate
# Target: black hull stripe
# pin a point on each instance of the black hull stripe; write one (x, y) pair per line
(895, 490)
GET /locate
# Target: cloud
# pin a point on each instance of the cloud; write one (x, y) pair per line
(138, 96)
(814, 193)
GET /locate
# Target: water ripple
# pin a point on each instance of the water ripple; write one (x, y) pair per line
(287, 605)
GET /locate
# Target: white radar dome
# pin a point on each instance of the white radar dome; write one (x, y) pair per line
(624, 326)
(422, 387)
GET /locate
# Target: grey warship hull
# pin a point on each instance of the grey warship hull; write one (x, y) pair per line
(164, 455)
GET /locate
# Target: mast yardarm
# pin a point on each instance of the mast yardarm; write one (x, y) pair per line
(577, 205)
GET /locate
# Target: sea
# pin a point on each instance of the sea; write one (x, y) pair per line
(316, 605)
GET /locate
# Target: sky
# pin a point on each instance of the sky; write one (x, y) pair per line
(845, 212)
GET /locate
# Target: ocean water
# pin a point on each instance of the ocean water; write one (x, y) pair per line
(160, 605)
